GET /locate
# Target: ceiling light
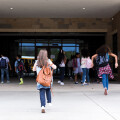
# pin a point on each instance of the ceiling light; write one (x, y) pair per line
(11, 8)
(83, 8)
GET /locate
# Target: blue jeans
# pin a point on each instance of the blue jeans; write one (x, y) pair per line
(85, 75)
(4, 70)
(105, 80)
(62, 72)
(42, 96)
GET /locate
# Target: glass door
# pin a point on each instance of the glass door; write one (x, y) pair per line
(38, 49)
(54, 53)
(53, 56)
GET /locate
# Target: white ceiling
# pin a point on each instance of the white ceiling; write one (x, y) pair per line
(59, 8)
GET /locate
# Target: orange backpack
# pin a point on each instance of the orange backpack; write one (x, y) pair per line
(45, 76)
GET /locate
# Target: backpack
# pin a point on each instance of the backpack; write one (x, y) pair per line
(3, 63)
(20, 66)
(88, 63)
(70, 63)
(102, 61)
(45, 76)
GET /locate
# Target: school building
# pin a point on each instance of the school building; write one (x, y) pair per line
(28, 26)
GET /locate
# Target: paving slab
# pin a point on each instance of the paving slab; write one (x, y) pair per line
(70, 102)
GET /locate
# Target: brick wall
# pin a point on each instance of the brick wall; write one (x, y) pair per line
(58, 25)
(54, 23)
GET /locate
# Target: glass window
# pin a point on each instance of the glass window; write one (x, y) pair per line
(69, 51)
(77, 45)
(28, 51)
(68, 42)
(20, 50)
(77, 49)
(20, 44)
(79, 41)
(65, 44)
(54, 53)
(55, 42)
(28, 41)
(28, 44)
(41, 42)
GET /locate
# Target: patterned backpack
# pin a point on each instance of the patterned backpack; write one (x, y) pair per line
(20, 66)
(102, 61)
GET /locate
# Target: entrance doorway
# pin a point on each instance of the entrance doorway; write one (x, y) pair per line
(29, 44)
(52, 52)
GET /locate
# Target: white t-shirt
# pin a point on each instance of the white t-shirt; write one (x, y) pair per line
(62, 64)
(37, 69)
(83, 62)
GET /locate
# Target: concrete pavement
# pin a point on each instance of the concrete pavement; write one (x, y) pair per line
(70, 102)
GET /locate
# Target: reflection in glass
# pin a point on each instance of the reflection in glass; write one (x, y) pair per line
(54, 53)
(41, 42)
(77, 49)
(28, 44)
(68, 42)
(20, 51)
(28, 51)
(20, 44)
(39, 48)
(69, 51)
(55, 42)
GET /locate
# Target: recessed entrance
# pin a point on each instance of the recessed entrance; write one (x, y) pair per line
(29, 44)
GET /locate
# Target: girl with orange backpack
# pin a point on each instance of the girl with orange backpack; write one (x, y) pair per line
(41, 63)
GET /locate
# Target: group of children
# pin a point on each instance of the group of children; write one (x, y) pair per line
(19, 68)
(75, 66)
(79, 66)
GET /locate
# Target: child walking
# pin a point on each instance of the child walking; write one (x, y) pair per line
(19, 68)
(85, 57)
(61, 61)
(77, 67)
(104, 70)
(42, 60)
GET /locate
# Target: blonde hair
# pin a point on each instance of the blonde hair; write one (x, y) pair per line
(42, 58)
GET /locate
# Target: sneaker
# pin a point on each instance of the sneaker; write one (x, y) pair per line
(76, 82)
(43, 109)
(8, 81)
(21, 81)
(85, 83)
(49, 104)
(59, 81)
(2, 82)
(82, 84)
(62, 83)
